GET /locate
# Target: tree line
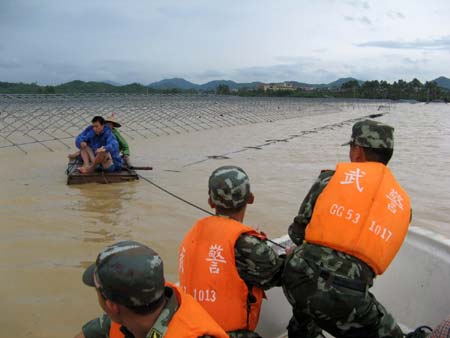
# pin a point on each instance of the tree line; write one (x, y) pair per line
(398, 90)
(81, 87)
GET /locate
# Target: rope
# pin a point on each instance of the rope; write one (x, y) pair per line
(192, 204)
(173, 195)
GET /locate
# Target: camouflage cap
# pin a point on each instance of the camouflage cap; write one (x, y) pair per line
(128, 273)
(229, 187)
(372, 134)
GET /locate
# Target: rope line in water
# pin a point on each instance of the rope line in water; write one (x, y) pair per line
(192, 204)
(176, 196)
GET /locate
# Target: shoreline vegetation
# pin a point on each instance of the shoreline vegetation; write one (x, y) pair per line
(354, 89)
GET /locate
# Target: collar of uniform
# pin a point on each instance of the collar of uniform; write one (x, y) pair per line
(161, 324)
(226, 216)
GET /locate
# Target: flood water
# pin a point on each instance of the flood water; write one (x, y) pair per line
(51, 231)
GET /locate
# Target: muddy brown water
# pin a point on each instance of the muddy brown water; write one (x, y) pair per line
(51, 231)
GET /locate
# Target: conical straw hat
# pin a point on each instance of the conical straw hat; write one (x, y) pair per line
(112, 119)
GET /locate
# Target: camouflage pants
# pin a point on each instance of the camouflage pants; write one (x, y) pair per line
(243, 334)
(319, 303)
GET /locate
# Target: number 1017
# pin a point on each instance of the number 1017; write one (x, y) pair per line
(380, 231)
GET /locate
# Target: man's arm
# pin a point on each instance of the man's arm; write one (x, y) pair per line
(111, 146)
(297, 229)
(83, 137)
(257, 262)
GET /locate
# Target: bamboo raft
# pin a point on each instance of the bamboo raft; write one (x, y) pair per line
(75, 177)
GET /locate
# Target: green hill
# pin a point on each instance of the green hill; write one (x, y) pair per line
(78, 86)
(177, 83)
(442, 82)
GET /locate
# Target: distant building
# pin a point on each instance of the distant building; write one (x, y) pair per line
(306, 89)
(278, 86)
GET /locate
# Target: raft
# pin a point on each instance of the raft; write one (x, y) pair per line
(75, 177)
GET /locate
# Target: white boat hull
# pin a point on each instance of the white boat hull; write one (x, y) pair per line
(415, 288)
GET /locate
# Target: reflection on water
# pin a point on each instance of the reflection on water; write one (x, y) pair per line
(102, 236)
(51, 231)
(84, 264)
(103, 205)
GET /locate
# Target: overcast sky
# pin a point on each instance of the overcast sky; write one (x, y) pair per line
(314, 41)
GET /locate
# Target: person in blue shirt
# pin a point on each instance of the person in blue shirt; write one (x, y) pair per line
(99, 148)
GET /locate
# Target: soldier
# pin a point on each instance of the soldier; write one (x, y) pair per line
(129, 280)
(353, 220)
(225, 264)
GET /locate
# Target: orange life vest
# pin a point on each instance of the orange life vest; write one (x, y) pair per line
(362, 211)
(189, 321)
(207, 271)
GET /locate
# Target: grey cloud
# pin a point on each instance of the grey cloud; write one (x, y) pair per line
(55, 41)
(358, 4)
(302, 72)
(439, 43)
(298, 60)
(99, 70)
(205, 10)
(326, 74)
(60, 72)
(391, 67)
(408, 60)
(208, 74)
(365, 20)
(125, 71)
(9, 63)
(60, 66)
(270, 73)
(362, 19)
(395, 15)
(183, 12)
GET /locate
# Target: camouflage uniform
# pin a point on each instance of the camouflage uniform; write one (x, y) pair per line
(256, 262)
(99, 327)
(327, 288)
(136, 260)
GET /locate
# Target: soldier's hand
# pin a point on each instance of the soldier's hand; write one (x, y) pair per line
(290, 249)
(83, 145)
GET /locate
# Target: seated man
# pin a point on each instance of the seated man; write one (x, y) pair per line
(128, 278)
(124, 149)
(225, 264)
(99, 148)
